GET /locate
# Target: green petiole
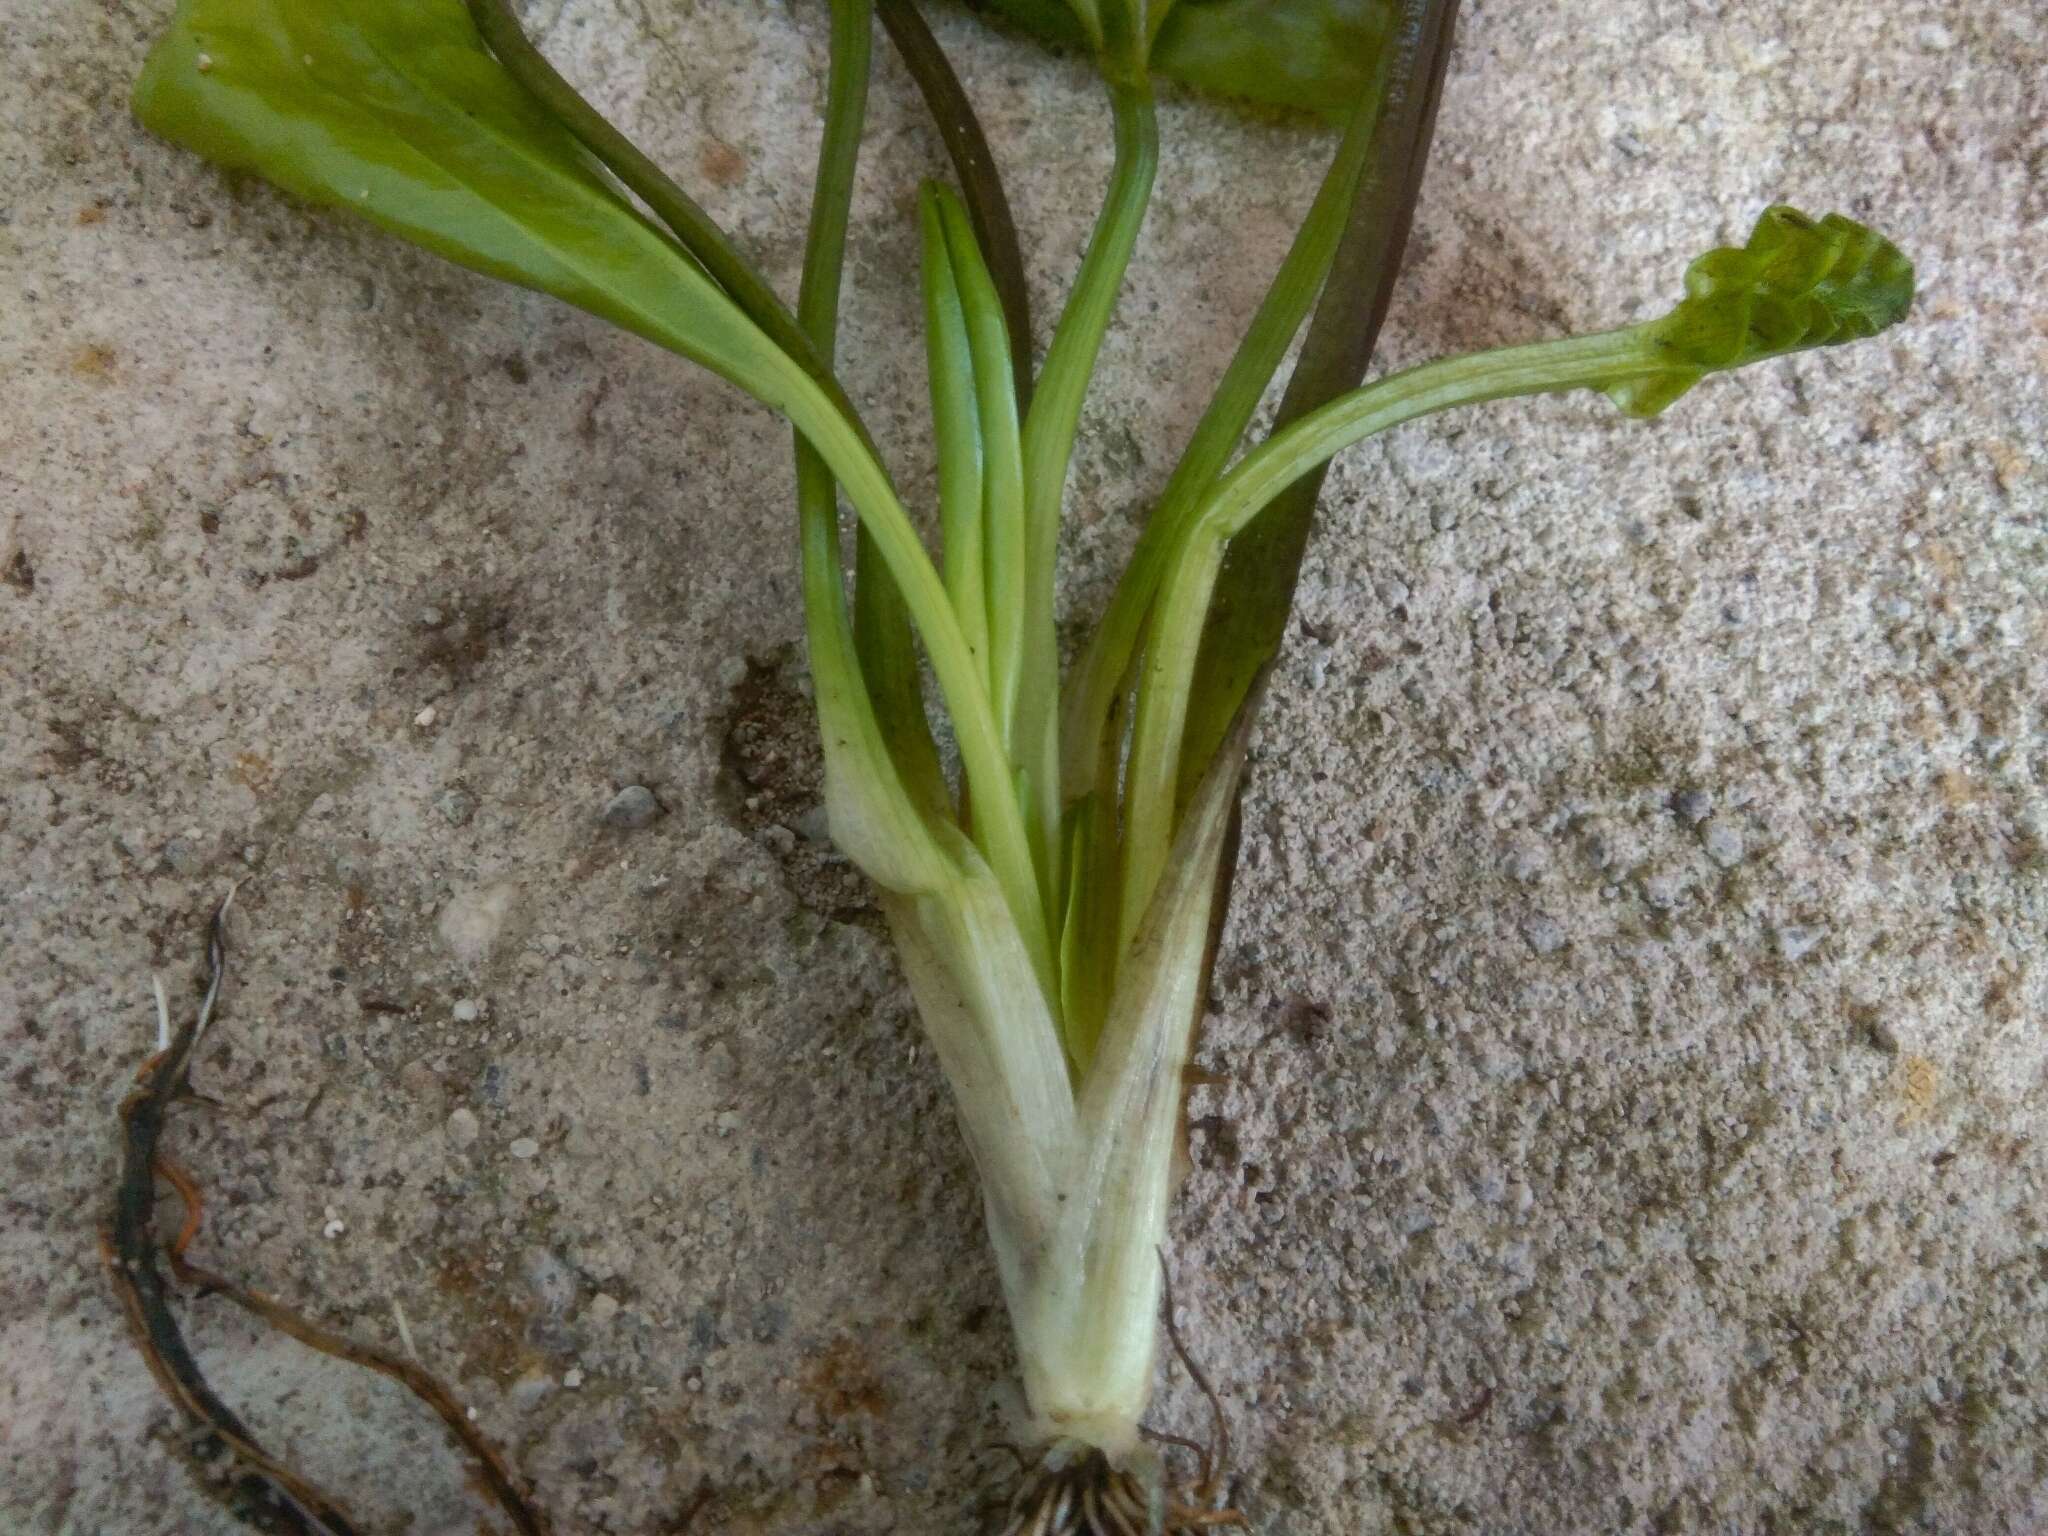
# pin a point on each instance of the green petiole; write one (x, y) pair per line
(1168, 670)
(1798, 283)
(957, 431)
(1295, 285)
(1049, 445)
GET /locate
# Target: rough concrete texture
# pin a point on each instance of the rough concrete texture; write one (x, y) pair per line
(1635, 1096)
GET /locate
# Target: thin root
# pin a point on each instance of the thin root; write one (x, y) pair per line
(1087, 1496)
(271, 1494)
(1215, 1457)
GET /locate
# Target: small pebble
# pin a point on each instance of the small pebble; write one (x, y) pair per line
(632, 807)
(463, 1128)
(1935, 38)
(334, 1226)
(572, 1378)
(1692, 806)
(1544, 934)
(1797, 942)
(426, 717)
(466, 1010)
(1723, 840)
(602, 1309)
(457, 806)
(524, 1147)
(813, 826)
(530, 1388)
(727, 1122)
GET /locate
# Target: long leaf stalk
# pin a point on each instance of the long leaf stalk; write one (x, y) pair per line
(1053, 902)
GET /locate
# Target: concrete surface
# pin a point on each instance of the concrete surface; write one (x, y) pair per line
(1636, 1094)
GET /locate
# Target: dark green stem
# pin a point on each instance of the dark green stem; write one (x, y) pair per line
(974, 165)
(694, 229)
(1255, 591)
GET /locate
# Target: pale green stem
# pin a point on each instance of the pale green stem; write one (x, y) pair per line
(1048, 450)
(999, 819)
(956, 423)
(1106, 663)
(1176, 633)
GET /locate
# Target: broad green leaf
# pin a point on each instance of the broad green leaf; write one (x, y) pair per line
(395, 110)
(1315, 55)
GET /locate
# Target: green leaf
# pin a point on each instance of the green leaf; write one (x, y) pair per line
(1314, 55)
(1050, 21)
(1797, 283)
(395, 110)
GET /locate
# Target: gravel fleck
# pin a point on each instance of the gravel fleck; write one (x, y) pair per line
(1797, 941)
(530, 1388)
(466, 1010)
(463, 1128)
(1692, 806)
(1545, 934)
(524, 1147)
(1723, 840)
(632, 808)
(457, 806)
(472, 921)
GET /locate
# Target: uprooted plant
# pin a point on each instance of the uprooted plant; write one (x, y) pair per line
(1053, 898)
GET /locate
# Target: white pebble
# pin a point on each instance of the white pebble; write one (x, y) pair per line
(426, 717)
(335, 1225)
(1797, 942)
(466, 1010)
(572, 1378)
(524, 1147)
(1723, 840)
(463, 1128)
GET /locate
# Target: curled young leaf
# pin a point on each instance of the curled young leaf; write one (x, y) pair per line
(1798, 283)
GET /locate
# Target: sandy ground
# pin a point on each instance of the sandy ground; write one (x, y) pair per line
(1635, 1101)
